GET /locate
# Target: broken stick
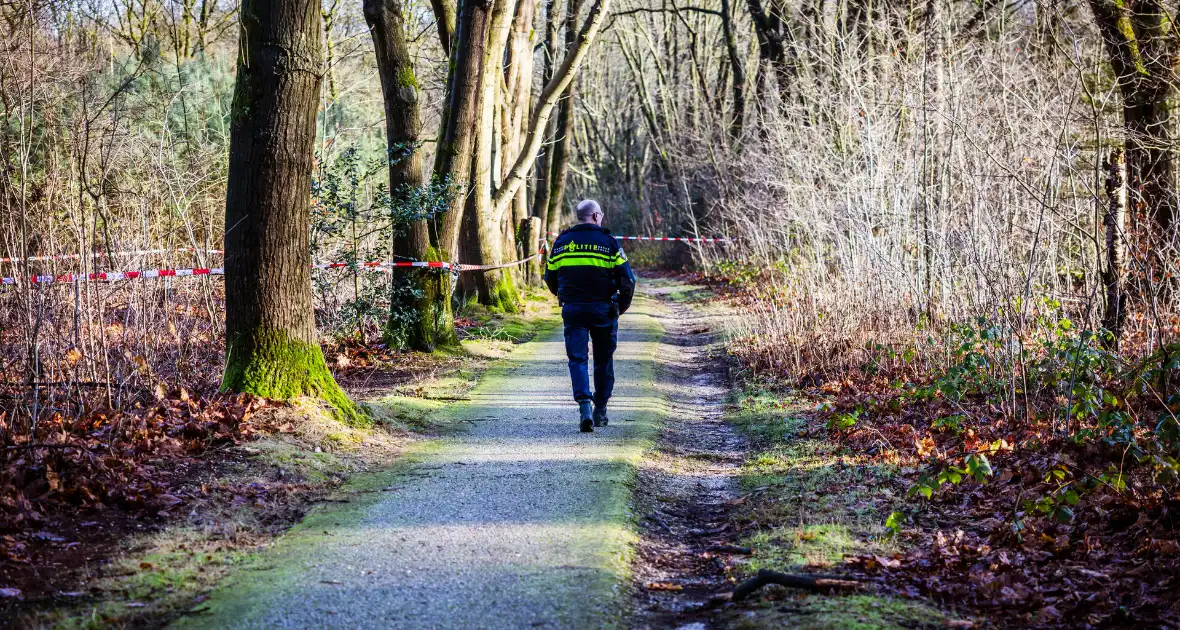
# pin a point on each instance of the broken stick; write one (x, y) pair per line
(806, 582)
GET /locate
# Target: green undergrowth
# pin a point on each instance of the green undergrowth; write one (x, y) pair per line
(676, 291)
(816, 501)
(495, 331)
(810, 503)
(144, 588)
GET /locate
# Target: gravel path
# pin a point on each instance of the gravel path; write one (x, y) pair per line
(520, 522)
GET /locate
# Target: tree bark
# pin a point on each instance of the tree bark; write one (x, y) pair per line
(562, 77)
(773, 32)
(424, 320)
(495, 287)
(564, 131)
(1142, 45)
(453, 159)
(1115, 221)
(271, 345)
(737, 68)
(544, 171)
(444, 18)
(517, 107)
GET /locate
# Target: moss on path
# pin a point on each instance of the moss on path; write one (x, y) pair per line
(521, 519)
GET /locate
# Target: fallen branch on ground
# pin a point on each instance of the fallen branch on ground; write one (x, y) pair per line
(734, 549)
(806, 582)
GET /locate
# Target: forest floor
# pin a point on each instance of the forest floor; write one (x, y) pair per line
(728, 490)
(478, 499)
(206, 511)
(698, 483)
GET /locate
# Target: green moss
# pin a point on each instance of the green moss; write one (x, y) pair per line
(406, 78)
(505, 297)
(271, 364)
(425, 321)
(852, 612)
(817, 502)
(144, 588)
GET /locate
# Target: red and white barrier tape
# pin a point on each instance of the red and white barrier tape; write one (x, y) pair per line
(118, 275)
(137, 252)
(218, 271)
(682, 239)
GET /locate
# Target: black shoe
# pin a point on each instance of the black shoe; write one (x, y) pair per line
(600, 419)
(586, 414)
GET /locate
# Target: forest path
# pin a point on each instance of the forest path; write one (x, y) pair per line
(519, 522)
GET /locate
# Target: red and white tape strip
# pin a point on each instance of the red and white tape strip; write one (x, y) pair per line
(386, 265)
(682, 239)
(118, 275)
(137, 252)
(218, 271)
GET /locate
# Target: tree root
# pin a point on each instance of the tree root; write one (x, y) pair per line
(806, 582)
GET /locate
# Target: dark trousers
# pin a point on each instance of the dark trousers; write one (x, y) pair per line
(598, 323)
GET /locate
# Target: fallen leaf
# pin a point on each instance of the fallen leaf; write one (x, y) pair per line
(9, 592)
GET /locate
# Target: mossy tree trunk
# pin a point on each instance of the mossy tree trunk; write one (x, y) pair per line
(495, 288)
(465, 153)
(422, 320)
(1143, 47)
(271, 345)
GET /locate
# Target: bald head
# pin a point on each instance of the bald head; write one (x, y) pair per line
(588, 211)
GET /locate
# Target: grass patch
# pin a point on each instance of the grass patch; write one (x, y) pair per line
(785, 609)
(810, 503)
(491, 333)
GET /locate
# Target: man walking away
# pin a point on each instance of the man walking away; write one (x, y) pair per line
(592, 280)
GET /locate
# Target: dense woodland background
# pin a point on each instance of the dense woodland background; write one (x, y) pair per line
(968, 205)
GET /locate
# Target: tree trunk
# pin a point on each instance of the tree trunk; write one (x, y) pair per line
(1115, 223)
(1150, 159)
(1142, 45)
(495, 288)
(453, 160)
(271, 345)
(738, 70)
(544, 171)
(531, 235)
(444, 19)
(562, 78)
(564, 131)
(422, 320)
(933, 129)
(517, 110)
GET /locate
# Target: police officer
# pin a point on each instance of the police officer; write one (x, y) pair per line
(593, 282)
